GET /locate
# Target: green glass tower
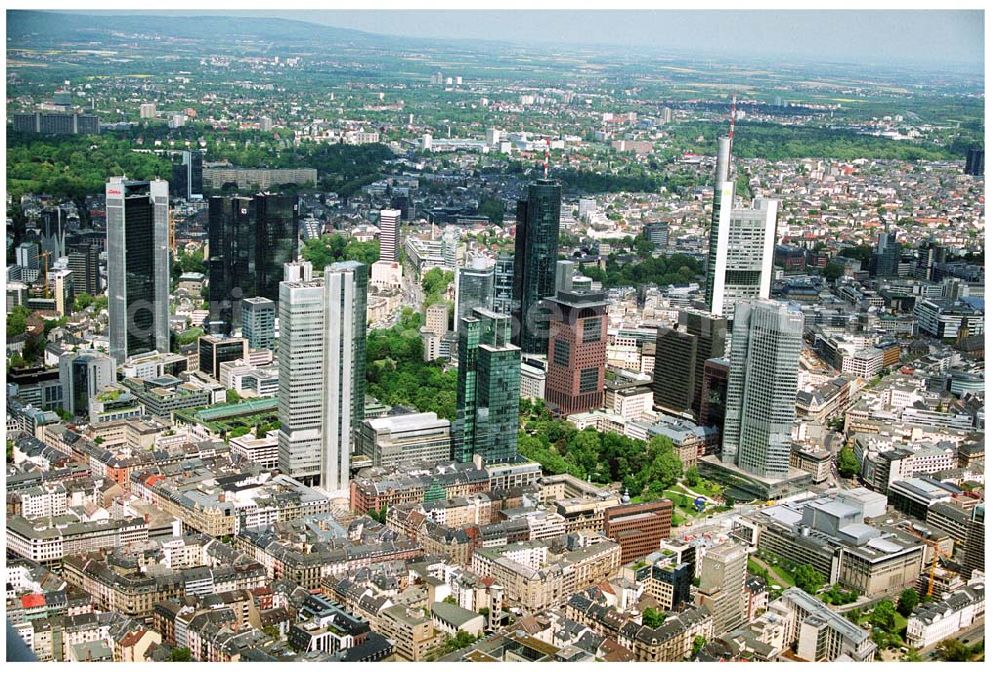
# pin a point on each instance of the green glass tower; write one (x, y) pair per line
(489, 389)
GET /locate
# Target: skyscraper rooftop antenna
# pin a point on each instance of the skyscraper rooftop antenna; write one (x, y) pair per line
(545, 166)
(732, 128)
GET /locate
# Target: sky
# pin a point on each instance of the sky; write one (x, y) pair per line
(888, 36)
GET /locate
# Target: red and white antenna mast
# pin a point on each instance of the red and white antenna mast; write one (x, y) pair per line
(548, 147)
(732, 127)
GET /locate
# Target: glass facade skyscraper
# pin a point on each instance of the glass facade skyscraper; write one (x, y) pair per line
(138, 266)
(249, 240)
(474, 289)
(489, 389)
(536, 249)
(503, 283)
(763, 382)
(257, 317)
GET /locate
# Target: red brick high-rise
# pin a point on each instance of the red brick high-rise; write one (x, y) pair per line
(578, 337)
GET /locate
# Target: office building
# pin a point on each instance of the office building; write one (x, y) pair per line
(536, 249)
(83, 374)
(213, 351)
(723, 583)
(249, 242)
(84, 261)
(885, 257)
(763, 381)
(56, 123)
(658, 234)
(257, 318)
(715, 381)
(27, 256)
(147, 110)
(388, 236)
(436, 319)
(186, 180)
(741, 244)
(578, 338)
(489, 387)
(404, 438)
(321, 371)
(975, 161)
(301, 311)
(344, 365)
(224, 176)
(61, 289)
(503, 283)
(638, 527)
(681, 354)
(138, 266)
(974, 557)
(474, 289)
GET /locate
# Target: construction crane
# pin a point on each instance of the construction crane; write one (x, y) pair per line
(934, 562)
(45, 270)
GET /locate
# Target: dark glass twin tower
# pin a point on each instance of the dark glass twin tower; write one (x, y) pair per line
(249, 241)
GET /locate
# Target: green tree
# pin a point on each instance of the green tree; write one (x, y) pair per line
(908, 600)
(17, 321)
(493, 209)
(833, 271)
(666, 467)
(692, 476)
(180, 655)
(232, 396)
(698, 644)
(883, 616)
(953, 650)
(808, 578)
(847, 462)
(652, 617)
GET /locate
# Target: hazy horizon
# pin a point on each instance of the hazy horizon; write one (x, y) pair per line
(952, 38)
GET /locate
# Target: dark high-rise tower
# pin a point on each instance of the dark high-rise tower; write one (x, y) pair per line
(186, 179)
(681, 353)
(536, 248)
(715, 380)
(885, 257)
(249, 242)
(84, 261)
(975, 161)
(138, 266)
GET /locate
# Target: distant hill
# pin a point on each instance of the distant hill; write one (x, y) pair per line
(23, 25)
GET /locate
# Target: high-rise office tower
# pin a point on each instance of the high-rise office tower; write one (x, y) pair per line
(83, 374)
(741, 244)
(84, 260)
(321, 360)
(975, 161)
(723, 586)
(886, 256)
(388, 237)
(681, 352)
(302, 312)
(715, 380)
(232, 257)
(474, 289)
(138, 266)
(565, 271)
(186, 178)
(344, 369)
(974, 558)
(249, 242)
(536, 248)
(257, 318)
(277, 243)
(489, 389)
(763, 382)
(578, 339)
(27, 254)
(503, 283)
(61, 287)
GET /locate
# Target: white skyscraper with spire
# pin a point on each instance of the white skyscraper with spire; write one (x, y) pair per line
(741, 243)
